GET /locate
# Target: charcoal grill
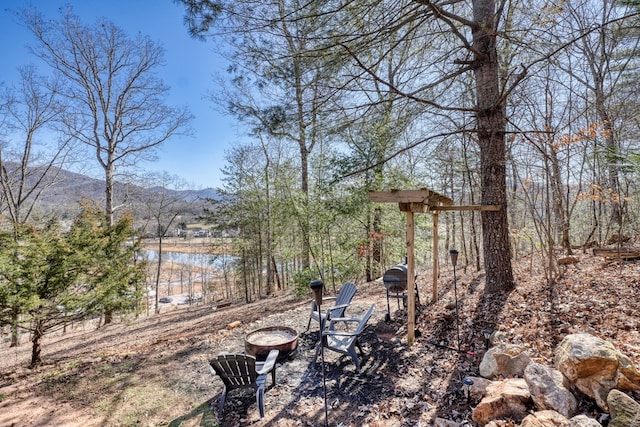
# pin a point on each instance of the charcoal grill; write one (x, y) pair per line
(395, 282)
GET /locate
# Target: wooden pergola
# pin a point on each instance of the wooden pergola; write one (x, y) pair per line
(421, 201)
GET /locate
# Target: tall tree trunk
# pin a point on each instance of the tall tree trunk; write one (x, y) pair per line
(304, 220)
(36, 347)
(245, 281)
(15, 317)
(612, 154)
(559, 208)
(491, 126)
(367, 252)
(158, 272)
(259, 263)
(268, 232)
(275, 273)
(108, 316)
(377, 240)
(472, 199)
(109, 208)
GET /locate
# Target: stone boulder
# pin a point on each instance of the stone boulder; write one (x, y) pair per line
(443, 422)
(504, 361)
(549, 390)
(545, 419)
(624, 411)
(595, 367)
(583, 421)
(503, 399)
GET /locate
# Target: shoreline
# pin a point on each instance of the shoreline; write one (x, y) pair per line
(202, 245)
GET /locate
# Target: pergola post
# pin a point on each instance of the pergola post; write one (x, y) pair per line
(436, 257)
(411, 281)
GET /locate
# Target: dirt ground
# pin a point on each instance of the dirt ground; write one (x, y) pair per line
(153, 370)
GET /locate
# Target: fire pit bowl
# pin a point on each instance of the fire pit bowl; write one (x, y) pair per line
(260, 342)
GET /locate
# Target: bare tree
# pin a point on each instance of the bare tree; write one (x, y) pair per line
(606, 58)
(30, 158)
(116, 102)
(164, 203)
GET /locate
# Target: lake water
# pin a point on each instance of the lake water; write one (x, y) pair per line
(197, 259)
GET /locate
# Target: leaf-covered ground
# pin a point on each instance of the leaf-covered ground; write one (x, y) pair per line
(153, 370)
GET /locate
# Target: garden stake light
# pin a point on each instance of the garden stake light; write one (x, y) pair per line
(487, 338)
(467, 383)
(317, 287)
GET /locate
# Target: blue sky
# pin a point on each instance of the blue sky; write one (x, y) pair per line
(189, 67)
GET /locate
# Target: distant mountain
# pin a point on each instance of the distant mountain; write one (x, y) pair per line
(65, 192)
(191, 195)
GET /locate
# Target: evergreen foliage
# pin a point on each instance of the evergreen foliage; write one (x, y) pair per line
(53, 277)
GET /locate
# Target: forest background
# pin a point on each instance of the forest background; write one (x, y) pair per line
(527, 106)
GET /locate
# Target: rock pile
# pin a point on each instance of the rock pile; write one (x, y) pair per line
(513, 390)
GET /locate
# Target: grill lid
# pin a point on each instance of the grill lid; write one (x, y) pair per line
(395, 278)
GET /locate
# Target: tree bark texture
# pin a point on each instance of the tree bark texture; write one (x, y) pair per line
(491, 126)
(36, 347)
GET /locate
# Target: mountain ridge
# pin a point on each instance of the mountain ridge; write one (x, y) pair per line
(67, 189)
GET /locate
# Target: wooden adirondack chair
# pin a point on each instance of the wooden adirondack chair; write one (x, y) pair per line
(241, 370)
(340, 304)
(345, 342)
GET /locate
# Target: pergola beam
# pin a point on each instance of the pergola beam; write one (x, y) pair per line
(423, 196)
(466, 208)
(421, 201)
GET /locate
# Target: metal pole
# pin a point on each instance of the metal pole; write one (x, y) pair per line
(317, 288)
(455, 291)
(324, 379)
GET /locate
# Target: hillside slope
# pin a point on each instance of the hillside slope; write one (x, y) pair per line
(153, 370)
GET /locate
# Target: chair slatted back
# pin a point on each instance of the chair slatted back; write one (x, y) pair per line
(346, 293)
(235, 370)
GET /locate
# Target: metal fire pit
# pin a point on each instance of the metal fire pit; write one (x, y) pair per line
(261, 341)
